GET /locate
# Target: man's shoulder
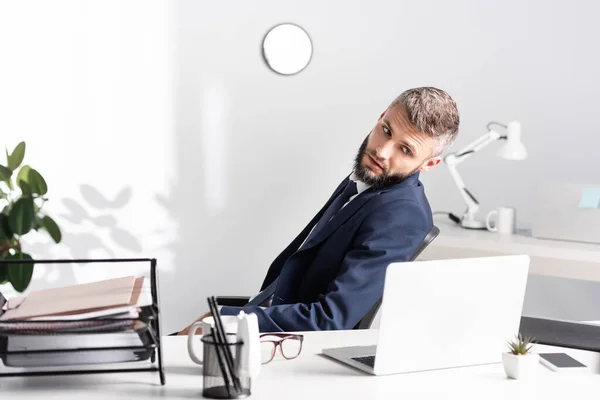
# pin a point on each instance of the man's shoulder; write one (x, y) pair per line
(404, 201)
(401, 203)
(403, 194)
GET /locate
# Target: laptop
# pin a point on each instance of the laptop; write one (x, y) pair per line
(443, 314)
(567, 211)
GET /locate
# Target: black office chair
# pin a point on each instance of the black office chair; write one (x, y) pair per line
(367, 320)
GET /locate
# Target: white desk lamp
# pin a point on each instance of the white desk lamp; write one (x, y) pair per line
(512, 149)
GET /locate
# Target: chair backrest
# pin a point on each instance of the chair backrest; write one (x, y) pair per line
(367, 320)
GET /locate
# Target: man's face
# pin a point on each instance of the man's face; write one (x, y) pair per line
(394, 150)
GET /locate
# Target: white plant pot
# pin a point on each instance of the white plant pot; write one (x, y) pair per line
(520, 366)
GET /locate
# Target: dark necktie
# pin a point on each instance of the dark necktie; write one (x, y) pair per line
(349, 191)
(337, 204)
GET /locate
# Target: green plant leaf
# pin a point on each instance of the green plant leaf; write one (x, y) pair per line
(25, 188)
(23, 178)
(16, 158)
(5, 174)
(3, 273)
(31, 181)
(22, 216)
(23, 174)
(20, 274)
(37, 182)
(521, 345)
(52, 228)
(5, 232)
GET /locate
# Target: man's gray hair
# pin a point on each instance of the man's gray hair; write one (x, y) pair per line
(433, 112)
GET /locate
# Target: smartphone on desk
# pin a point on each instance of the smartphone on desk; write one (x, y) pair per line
(561, 362)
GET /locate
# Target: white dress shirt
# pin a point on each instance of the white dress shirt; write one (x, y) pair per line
(360, 187)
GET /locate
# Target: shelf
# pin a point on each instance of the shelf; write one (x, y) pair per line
(548, 257)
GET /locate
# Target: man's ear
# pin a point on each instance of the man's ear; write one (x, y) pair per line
(432, 162)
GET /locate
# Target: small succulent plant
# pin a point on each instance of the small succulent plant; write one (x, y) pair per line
(521, 345)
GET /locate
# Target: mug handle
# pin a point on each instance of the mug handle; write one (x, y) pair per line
(191, 341)
(487, 221)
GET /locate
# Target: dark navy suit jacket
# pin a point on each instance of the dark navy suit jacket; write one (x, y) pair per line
(334, 279)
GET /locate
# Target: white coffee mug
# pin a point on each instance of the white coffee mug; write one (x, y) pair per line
(230, 325)
(505, 221)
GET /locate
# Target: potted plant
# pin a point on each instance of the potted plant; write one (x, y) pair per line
(520, 362)
(22, 197)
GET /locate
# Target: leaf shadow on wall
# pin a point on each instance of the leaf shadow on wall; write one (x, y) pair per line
(97, 210)
(89, 228)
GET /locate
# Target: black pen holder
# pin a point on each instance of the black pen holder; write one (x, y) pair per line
(221, 369)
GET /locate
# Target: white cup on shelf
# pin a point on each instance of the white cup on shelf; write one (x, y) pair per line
(505, 220)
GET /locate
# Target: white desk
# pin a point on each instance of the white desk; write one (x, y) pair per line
(548, 257)
(312, 376)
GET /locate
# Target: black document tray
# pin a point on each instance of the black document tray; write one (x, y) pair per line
(68, 358)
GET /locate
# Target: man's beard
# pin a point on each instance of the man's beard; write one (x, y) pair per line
(365, 175)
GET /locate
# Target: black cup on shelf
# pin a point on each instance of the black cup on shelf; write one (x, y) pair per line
(221, 369)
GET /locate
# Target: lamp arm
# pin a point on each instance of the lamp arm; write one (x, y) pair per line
(475, 146)
(468, 198)
(452, 160)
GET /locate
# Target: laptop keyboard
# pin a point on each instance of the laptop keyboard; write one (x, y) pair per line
(368, 360)
(559, 333)
(545, 331)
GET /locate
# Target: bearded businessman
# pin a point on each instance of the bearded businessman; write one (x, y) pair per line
(333, 272)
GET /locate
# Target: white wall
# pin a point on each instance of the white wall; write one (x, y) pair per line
(229, 160)
(87, 85)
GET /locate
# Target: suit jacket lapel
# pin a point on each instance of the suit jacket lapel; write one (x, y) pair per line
(278, 263)
(351, 208)
(341, 217)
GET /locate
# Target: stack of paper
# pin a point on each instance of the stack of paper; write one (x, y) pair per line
(93, 315)
(103, 296)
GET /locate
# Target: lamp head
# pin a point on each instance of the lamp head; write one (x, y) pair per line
(513, 148)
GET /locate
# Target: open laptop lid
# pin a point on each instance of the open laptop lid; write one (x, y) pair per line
(449, 313)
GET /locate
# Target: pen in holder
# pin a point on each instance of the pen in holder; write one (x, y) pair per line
(221, 368)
